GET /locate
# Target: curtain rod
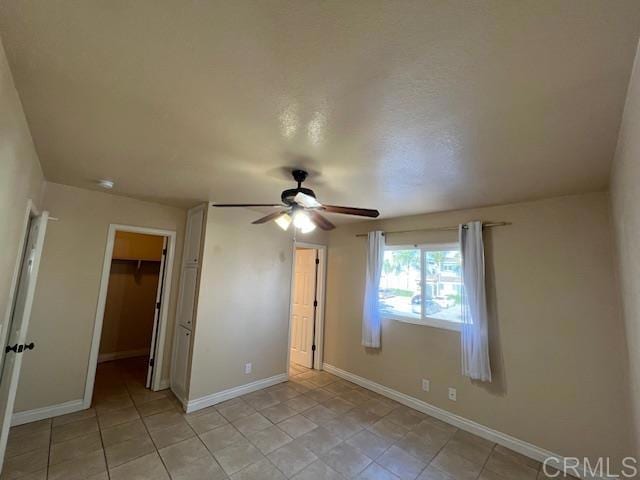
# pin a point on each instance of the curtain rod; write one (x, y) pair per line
(441, 229)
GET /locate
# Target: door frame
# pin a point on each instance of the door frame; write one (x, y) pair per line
(102, 299)
(320, 296)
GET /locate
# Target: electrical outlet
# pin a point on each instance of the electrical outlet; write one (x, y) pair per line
(247, 368)
(453, 394)
(426, 385)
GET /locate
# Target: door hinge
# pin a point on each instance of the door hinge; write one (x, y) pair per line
(151, 362)
(313, 348)
(315, 303)
(164, 251)
(317, 261)
(158, 305)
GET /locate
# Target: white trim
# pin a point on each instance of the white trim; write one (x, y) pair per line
(425, 322)
(427, 247)
(321, 282)
(29, 416)
(291, 293)
(102, 298)
(513, 443)
(215, 398)
(165, 384)
(108, 357)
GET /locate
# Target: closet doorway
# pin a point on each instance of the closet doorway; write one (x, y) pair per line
(130, 328)
(307, 308)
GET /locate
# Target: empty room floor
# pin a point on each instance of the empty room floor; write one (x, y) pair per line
(316, 426)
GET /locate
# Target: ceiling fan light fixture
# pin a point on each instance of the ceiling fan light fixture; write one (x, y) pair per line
(105, 183)
(306, 200)
(302, 222)
(308, 228)
(301, 219)
(284, 221)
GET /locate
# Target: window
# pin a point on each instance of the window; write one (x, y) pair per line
(423, 285)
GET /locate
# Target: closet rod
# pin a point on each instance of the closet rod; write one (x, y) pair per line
(440, 229)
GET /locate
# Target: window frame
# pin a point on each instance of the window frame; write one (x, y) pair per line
(424, 320)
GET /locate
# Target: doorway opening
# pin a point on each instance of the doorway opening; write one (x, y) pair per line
(130, 329)
(306, 324)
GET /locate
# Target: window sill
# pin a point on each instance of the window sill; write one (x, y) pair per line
(427, 322)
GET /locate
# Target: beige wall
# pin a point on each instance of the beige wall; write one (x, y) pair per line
(66, 298)
(130, 306)
(557, 337)
(625, 192)
(20, 178)
(243, 305)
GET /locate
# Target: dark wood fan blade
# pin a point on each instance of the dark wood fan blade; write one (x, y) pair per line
(320, 221)
(361, 212)
(247, 205)
(271, 216)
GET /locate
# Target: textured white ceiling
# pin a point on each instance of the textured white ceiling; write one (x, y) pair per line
(404, 106)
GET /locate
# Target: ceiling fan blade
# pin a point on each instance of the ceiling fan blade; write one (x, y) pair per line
(271, 216)
(361, 212)
(320, 221)
(306, 201)
(247, 205)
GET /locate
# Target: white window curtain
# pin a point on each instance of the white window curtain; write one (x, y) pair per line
(475, 332)
(371, 321)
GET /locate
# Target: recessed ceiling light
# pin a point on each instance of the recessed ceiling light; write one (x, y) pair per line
(107, 184)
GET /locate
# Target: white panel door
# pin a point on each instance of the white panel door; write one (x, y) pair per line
(303, 310)
(187, 297)
(194, 235)
(17, 336)
(156, 314)
(181, 361)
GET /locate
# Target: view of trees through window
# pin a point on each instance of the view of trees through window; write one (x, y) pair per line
(401, 285)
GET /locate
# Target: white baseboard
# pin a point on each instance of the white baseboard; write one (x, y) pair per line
(108, 357)
(164, 384)
(214, 398)
(29, 416)
(515, 444)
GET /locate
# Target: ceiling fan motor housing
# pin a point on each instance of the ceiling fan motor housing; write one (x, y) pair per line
(288, 195)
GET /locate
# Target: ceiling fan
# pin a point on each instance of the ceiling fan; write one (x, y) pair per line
(300, 207)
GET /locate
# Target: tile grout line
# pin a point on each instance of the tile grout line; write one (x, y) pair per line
(126, 382)
(266, 457)
(104, 449)
(50, 446)
(144, 424)
(251, 443)
(134, 406)
(484, 465)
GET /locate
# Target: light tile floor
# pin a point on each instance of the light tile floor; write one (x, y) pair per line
(316, 426)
